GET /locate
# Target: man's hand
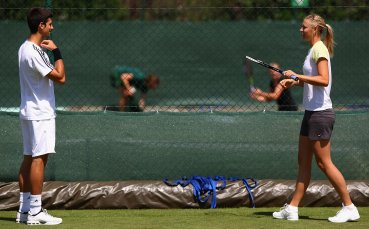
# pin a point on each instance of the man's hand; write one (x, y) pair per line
(48, 44)
(257, 95)
(256, 91)
(141, 103)
(130, 91)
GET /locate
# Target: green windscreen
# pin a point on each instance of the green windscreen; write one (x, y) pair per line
(105, 146)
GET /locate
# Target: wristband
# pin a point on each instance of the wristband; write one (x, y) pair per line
(57, 54)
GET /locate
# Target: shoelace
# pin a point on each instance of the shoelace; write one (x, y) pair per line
(339, 211)
(45, 211)
(284, 207)
(343, 206)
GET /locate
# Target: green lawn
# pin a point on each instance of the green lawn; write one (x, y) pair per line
(192, 218)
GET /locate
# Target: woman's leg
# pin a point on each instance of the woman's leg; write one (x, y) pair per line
(322, 151)
(305, 156)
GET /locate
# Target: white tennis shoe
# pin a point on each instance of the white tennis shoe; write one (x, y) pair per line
(21, 217)
(43, 218)
(347, 213)
(287, 212)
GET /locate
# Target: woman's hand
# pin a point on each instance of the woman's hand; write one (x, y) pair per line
(287, 83)
(288, 74)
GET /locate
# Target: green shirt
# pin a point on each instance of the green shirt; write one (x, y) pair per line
(138, 80)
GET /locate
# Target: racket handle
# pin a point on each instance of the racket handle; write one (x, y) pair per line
(294, 77)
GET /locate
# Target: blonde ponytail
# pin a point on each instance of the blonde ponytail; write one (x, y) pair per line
(328, 39)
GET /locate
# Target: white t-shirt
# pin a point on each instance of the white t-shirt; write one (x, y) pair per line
(37, 90)
(317, 98)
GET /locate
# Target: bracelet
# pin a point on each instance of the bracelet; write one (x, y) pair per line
(57, 54)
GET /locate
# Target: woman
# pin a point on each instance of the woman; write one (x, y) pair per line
(282, 96)
(318, 121)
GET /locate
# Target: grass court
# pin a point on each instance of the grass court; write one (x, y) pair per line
(313, 217)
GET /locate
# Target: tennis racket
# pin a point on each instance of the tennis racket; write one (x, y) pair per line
(269, 66)
(247, 69)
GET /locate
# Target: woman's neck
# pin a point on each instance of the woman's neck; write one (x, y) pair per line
(314, 40)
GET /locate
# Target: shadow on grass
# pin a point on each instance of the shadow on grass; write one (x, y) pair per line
(7, 219)
(309, 218)
(269, 214)
(222, 214)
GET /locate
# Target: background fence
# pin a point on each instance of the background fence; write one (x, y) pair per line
(198, 52)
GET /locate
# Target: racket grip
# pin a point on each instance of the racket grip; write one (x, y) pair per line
(294, 77)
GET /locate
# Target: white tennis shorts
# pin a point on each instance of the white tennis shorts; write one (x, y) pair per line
(38, 137)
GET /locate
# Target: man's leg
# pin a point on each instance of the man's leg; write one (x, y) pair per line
(24, 171)
(37, 215)
(24, 189)
(37, 179)
(44, 144)
(122, 99)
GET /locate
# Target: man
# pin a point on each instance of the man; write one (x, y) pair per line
(282, 96)
(37, 114)
(128, 80)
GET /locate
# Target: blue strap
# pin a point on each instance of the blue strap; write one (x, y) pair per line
(221, 178)
(183, 182)
(248, 187)
(205, 187)
(212, 189)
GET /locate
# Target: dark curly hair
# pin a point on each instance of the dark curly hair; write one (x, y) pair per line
(36, 16)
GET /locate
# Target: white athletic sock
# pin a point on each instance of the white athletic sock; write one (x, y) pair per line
(24, 199)
(294, 208)
(351, 206)
(35, 204)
